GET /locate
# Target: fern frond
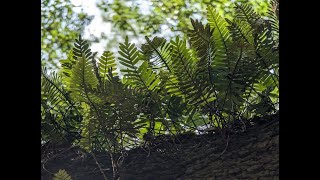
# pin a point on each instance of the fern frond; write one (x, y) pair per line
(62, 175)
(66, 65)
(83, 79)
(107, 64)
(53, 90)
(201, 40)
(258, 43)
(241, 31)
(268, 58)
(273, 19)
(81, 49)
(59, 112)
(174, 109)
(120, 107)
(171, 85)
(142, 76)
(221, 36)
(88, 129)
(185, 70)
(245, 12)
(157, 52)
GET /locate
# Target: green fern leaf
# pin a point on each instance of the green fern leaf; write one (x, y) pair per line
(246, 12)
(62, 175)
(66, 65)
(53, 91)
(268, 58)
(83, 79)
(185, 70)
(273, 19)
(81, 49)
(201, 40)
(142, 76)
(157, 52)
(107, 64)
(88, 130)
(241, 31)
(221, 36)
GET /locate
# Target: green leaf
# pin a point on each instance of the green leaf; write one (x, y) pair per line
(62, 175)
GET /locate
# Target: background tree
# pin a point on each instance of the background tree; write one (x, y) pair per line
(60, 24)
(147, 17)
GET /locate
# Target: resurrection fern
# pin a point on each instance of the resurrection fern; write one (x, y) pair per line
(122, 111)
(222, 63)
(266, 53)
(245, 12)
(187, 79)
(201, 40)
(273, 20)
(62, 175)
(83, 79)
(106, 106)
(58, 111)
(158, 52)
(221, 36)
(228, 71)
(255, 36)
(143, 76)
(89, 129)
(66, 65)
(52, 89)
(241, 32)
(107, 64)
(81, 49)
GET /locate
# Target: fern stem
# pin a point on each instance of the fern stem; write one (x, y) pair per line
(229, 85)
(99, 166)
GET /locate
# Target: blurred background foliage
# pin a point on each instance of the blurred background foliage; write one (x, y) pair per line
(148, 17)
(60, 25)
(63, 20)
